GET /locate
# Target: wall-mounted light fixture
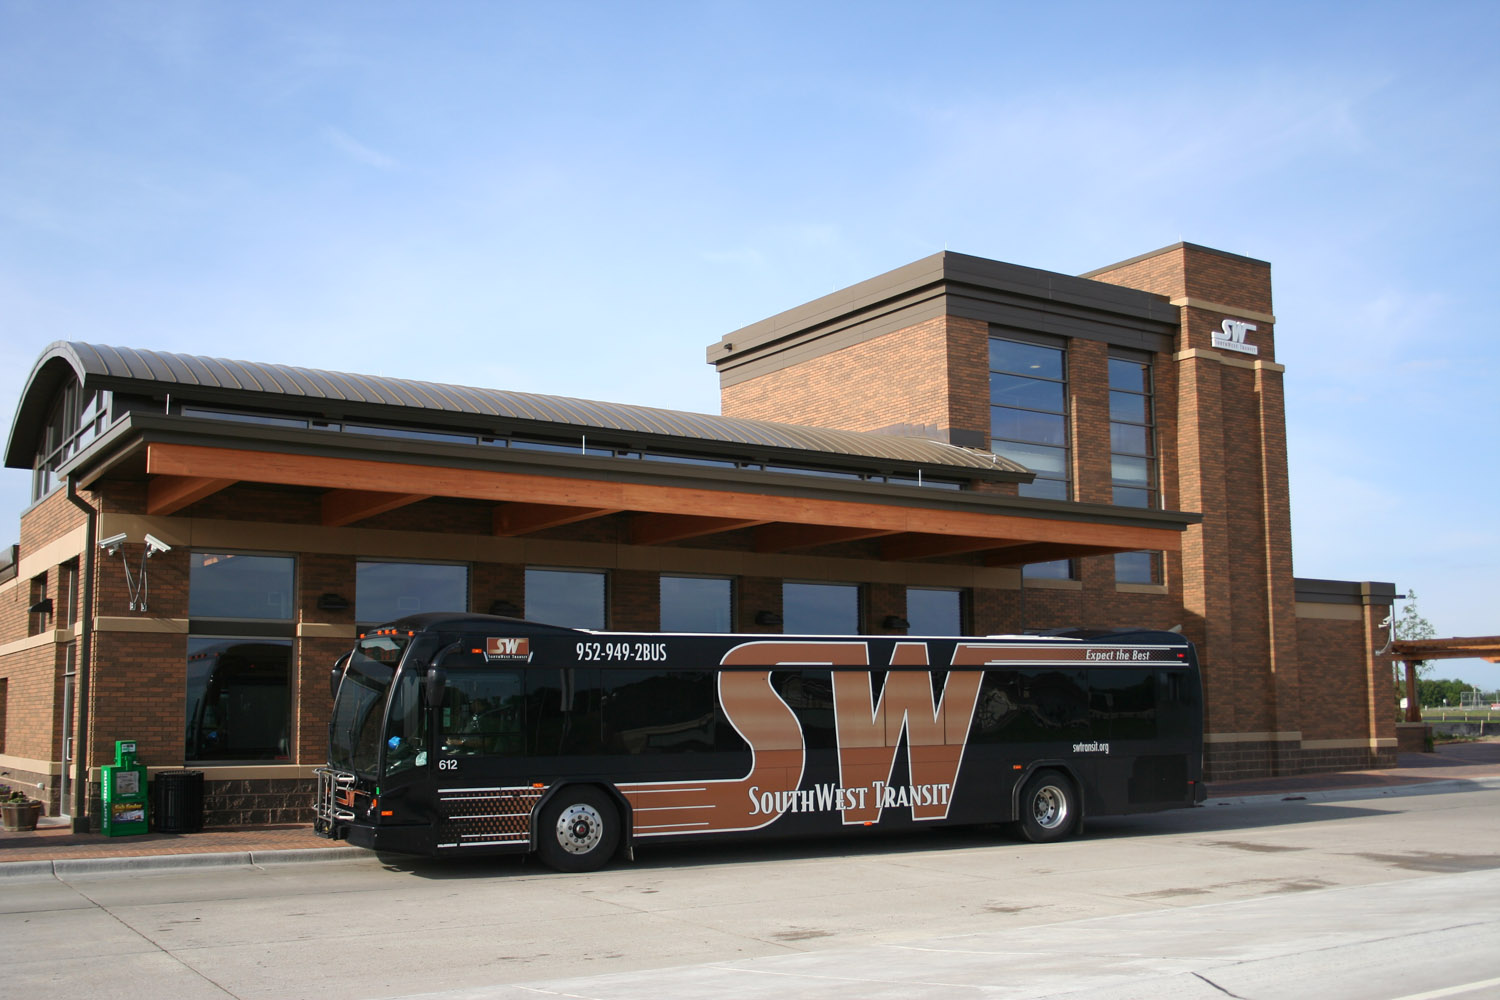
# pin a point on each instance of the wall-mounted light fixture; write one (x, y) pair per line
(333, 602)
(508, 609)
(895, 621)
(767, 618)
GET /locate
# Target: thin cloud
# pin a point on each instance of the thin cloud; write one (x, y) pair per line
(356, 150)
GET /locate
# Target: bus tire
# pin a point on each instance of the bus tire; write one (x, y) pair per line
(579, 830)
(1049, 807)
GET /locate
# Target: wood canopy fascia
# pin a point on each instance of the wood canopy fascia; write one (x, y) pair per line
(182, 474)
(1484, 647)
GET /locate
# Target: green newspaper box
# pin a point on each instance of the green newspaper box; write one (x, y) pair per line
(124, 793)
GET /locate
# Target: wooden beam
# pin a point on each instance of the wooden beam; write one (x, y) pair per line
(524, 518)
(658, 529)
(785, 537)
(169, 494)
(341, 507)
(484, 484)
(932, 546)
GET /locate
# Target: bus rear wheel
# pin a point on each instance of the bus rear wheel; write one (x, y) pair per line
(579, 830)
(1049, 807)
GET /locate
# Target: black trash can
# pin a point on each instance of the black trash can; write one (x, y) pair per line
(177, 801)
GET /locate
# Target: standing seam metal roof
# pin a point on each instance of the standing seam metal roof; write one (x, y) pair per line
(118, 366)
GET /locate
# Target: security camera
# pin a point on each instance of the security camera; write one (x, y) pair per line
(112, 543)
(155, 545)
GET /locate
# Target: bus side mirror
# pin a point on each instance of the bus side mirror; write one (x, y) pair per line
(336, 674)
(434, 683)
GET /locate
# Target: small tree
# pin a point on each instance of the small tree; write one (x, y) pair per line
(1409, 624)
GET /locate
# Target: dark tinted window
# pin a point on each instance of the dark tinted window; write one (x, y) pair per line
(563, 706)
(1031, 706)
(484, 709)
(1176, 700)
(651, 711)
(1122, 704)
(238, 699)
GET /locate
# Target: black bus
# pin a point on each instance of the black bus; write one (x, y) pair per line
(466, 734)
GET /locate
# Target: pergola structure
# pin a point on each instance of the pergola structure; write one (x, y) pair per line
(1413, 651)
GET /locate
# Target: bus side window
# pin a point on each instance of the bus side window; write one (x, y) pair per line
(1176, 715)
(483, 711)
(563, 711)
(660, 711)
(1122, 704)
(1031, 706)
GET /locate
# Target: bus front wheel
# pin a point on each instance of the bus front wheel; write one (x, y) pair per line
(579, 830)
(1049, 807)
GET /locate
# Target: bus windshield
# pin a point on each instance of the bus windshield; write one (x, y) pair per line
(354, 740)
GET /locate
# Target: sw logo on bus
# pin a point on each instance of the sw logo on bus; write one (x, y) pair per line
(507, 649)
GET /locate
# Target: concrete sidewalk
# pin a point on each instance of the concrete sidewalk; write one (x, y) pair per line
(54, 849)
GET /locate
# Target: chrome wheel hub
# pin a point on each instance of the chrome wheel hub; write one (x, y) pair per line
(1049, 807)
(580, 828)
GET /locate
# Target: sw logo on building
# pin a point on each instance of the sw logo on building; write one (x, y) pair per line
(1231, 336)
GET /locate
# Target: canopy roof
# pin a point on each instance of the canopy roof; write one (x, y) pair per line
(287, 387)
(190, 427)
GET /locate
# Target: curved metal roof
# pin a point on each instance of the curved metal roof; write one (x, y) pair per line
(267, 385)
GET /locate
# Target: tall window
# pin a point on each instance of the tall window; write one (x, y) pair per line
(1132, 458)
(238, 704)
(67, 594)
(75, 420)
(1131, 435)
(36, 622)
(385, 591)
(1028, 412)
(934, 612)
(570, 597)
(696, 604)
(1138, 567)
(239, 660)
(820, 608)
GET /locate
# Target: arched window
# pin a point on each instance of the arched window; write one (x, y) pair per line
(76, 419)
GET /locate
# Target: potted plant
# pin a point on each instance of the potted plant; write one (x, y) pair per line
(17, 810)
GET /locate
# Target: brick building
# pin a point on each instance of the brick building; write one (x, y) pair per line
(958, 446)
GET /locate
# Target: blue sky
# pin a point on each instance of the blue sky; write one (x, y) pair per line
(578, 198)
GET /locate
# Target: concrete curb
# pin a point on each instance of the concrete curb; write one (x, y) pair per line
(1367, 792)
(65, 867)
